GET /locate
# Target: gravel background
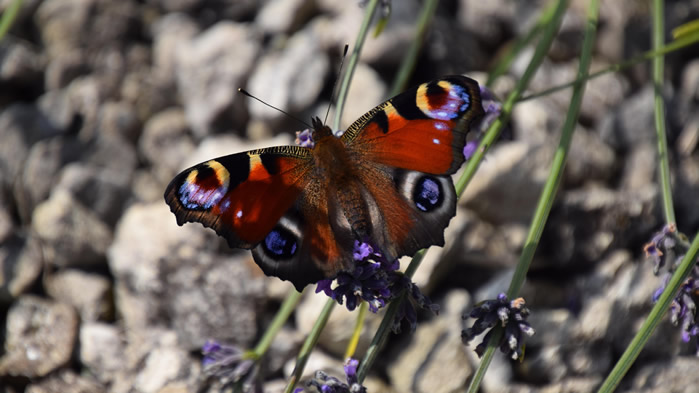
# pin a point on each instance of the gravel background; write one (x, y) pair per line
(103, 102)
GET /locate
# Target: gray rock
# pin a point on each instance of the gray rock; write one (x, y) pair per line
(556, 352)
(169, 32)
(63, 68)
(40, 338)
(40, 170)
(676, 375)
(88, 24)
(20, 65)
(70, 233)
(58, 110)
(165, 367)
(102, 350)
(165, 142)
(209, 69)
(290, 79)
(632, 123)
(103, 191)
(118, 119)
(513, 166)
(20, 264)
(208, 296)
(90, 294)
(285, 16)
(640, 166)
(169, 275)
(148, 92)
(21, 125)
(114, 153)
(570, 384)
(66, 381)
(435, 359)
(338, 331)
(489, 20)
(589, 159)
(585, 224)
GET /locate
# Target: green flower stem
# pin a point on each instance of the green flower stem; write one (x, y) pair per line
(353, 60)
(380, 337)
(658, 77)
(410, 59)
(292, 299)
(681, 42)
(654, 318)
(494, 130)
(356, 334)
(506, 59)
(547, 196)
(8, 17)
(308, 345)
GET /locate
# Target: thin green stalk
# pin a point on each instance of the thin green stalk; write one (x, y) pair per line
(520, 43)
(353, 60)
(681, 42)
(356, 334)
(308, 345)
(380, 337)
(654, 318)
(494, 130)
(292, 299)
(410, 59)
(545, 201)
(658, 77)
(8, 17)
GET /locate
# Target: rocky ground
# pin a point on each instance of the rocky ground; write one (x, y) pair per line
(103, 102)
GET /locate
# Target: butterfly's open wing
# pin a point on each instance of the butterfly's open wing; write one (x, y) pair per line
(422, 129)
(411, 144)
(270, 200)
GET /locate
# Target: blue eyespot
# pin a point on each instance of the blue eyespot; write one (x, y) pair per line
(427, 194)
(280, 243)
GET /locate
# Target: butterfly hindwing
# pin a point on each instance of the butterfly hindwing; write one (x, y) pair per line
(422, 129)
(225, 193)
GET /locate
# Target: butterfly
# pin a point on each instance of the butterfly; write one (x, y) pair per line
(385, 181)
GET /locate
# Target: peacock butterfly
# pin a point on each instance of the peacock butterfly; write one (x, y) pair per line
(385, 181)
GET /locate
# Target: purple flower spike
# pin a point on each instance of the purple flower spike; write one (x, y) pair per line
(511, 315)
(305, 138)
(375, 279)
(668, 244)
(229, 364)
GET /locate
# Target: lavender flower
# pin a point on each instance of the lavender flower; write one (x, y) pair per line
(376, 280)
(512, 316)
(668, 244)
(230, 365)
(305, 138)
(327, 384)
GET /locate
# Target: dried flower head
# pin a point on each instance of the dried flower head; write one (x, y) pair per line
(511, 315)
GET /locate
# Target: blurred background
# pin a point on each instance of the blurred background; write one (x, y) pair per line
(103, 102)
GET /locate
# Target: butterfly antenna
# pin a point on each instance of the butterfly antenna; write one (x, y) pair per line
(337, 78)
(240, 89)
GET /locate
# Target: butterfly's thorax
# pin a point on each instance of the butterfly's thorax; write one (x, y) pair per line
(333, 161)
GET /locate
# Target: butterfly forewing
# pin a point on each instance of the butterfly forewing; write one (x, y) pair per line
(226, 193)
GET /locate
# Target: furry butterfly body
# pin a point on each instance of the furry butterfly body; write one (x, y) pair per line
(384, 181)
